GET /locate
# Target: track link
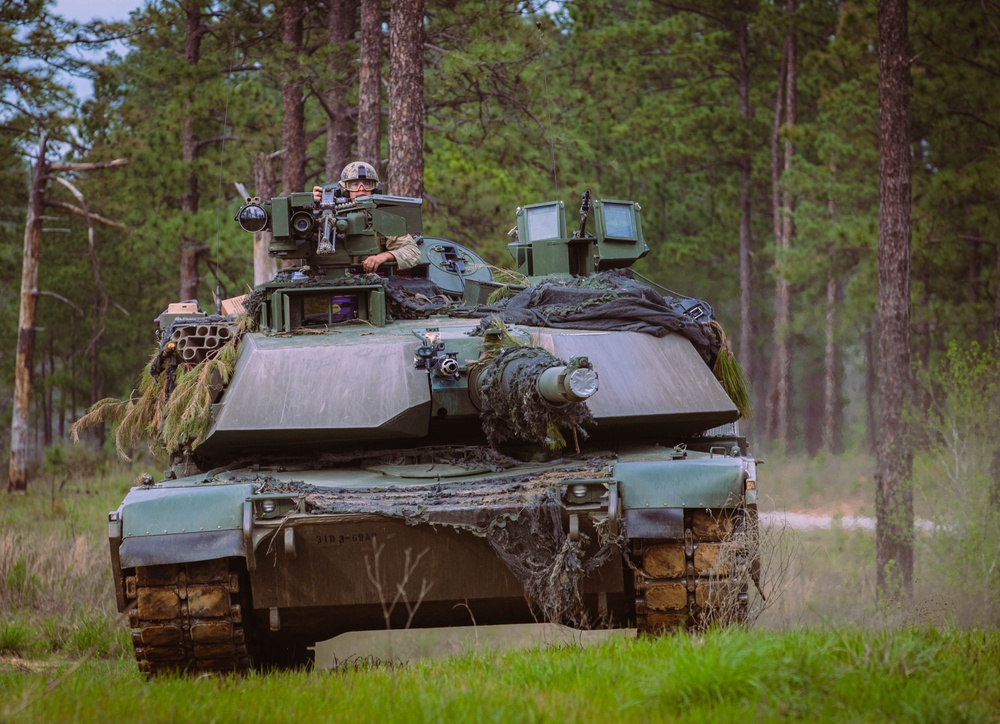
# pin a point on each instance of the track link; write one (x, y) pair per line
(699, 580)
(188, 616)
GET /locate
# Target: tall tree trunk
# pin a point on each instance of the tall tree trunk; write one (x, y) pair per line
(49, 372)
(370, 84)
(784, 350)
(339, 30)
(191, 248)
(745, 171)
(264, 266)
(62, 410)
(293, 138)
(406, 97)
(894, 467)
(781, 362)
(996, 291)
(871, 386)
(972, 291)
(20, 446)
(832, 422)
(831, 429)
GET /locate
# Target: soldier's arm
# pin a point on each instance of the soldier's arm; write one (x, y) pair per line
(404, 249)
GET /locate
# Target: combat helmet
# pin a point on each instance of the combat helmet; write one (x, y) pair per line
(359, 170)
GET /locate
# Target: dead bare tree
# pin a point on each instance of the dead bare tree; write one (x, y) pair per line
(18, 469)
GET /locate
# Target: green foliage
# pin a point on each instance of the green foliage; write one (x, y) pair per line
(54, 634)
(15, 638)
(94, 635)
(956, 419)
(19, 582)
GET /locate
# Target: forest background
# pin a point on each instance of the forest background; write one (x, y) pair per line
(747, 131)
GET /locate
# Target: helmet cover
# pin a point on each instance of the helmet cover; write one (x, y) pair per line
(359, 170)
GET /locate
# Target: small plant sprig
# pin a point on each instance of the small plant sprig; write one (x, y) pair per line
(730, 374)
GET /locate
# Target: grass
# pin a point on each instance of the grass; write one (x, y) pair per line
(836, 674)
(822, 649)
(55, 574)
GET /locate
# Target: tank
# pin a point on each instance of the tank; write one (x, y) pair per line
(441, 446)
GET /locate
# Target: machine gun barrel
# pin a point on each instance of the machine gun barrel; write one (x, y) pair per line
(584, 214)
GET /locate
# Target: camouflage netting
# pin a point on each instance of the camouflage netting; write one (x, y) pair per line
(172, 407)
(468, 457)
(611, 300)
(511, 406)
(518, 514)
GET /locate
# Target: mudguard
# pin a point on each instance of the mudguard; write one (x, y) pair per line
(174, 524)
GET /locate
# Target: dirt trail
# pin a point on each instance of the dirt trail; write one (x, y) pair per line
(806, 520)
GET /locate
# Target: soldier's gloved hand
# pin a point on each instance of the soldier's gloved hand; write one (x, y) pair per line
(373, 262)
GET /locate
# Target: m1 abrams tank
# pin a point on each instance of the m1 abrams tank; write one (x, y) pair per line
(432, 448)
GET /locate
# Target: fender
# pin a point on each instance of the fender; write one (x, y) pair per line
(654, 494)
(170, 523)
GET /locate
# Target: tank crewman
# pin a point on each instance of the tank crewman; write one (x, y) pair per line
(360, 179)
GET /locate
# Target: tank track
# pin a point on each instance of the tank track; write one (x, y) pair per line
(699, 580)
(188, 616)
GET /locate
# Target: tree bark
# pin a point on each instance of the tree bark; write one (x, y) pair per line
(370, 84)
(20, 446)
(894, 494)
(339, 30)
(406, 98)
(996, 291)
(293, 139)
(781, 362)
(745, 171)
(831, 434)
(831, 431)
(47, 407)
(191, 248)
(871, 386)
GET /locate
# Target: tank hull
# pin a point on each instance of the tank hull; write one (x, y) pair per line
(659, 538)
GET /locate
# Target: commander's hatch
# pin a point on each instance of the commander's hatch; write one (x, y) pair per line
(335, 233)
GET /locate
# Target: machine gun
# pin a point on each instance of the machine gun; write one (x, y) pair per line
(328, 235)
(334, 231)
(584, 214)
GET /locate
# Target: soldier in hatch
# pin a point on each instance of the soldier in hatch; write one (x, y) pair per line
(360, 179)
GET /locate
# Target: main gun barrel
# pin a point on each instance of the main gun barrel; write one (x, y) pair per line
(536, 368)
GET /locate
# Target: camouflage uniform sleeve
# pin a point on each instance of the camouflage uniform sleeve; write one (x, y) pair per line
(405, 249)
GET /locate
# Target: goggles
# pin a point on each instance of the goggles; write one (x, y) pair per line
(356, 184)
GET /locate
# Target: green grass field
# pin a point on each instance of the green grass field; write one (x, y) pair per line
(839, 674)
(822, 649)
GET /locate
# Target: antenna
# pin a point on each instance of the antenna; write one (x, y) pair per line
(548, 111)
(222, 158)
